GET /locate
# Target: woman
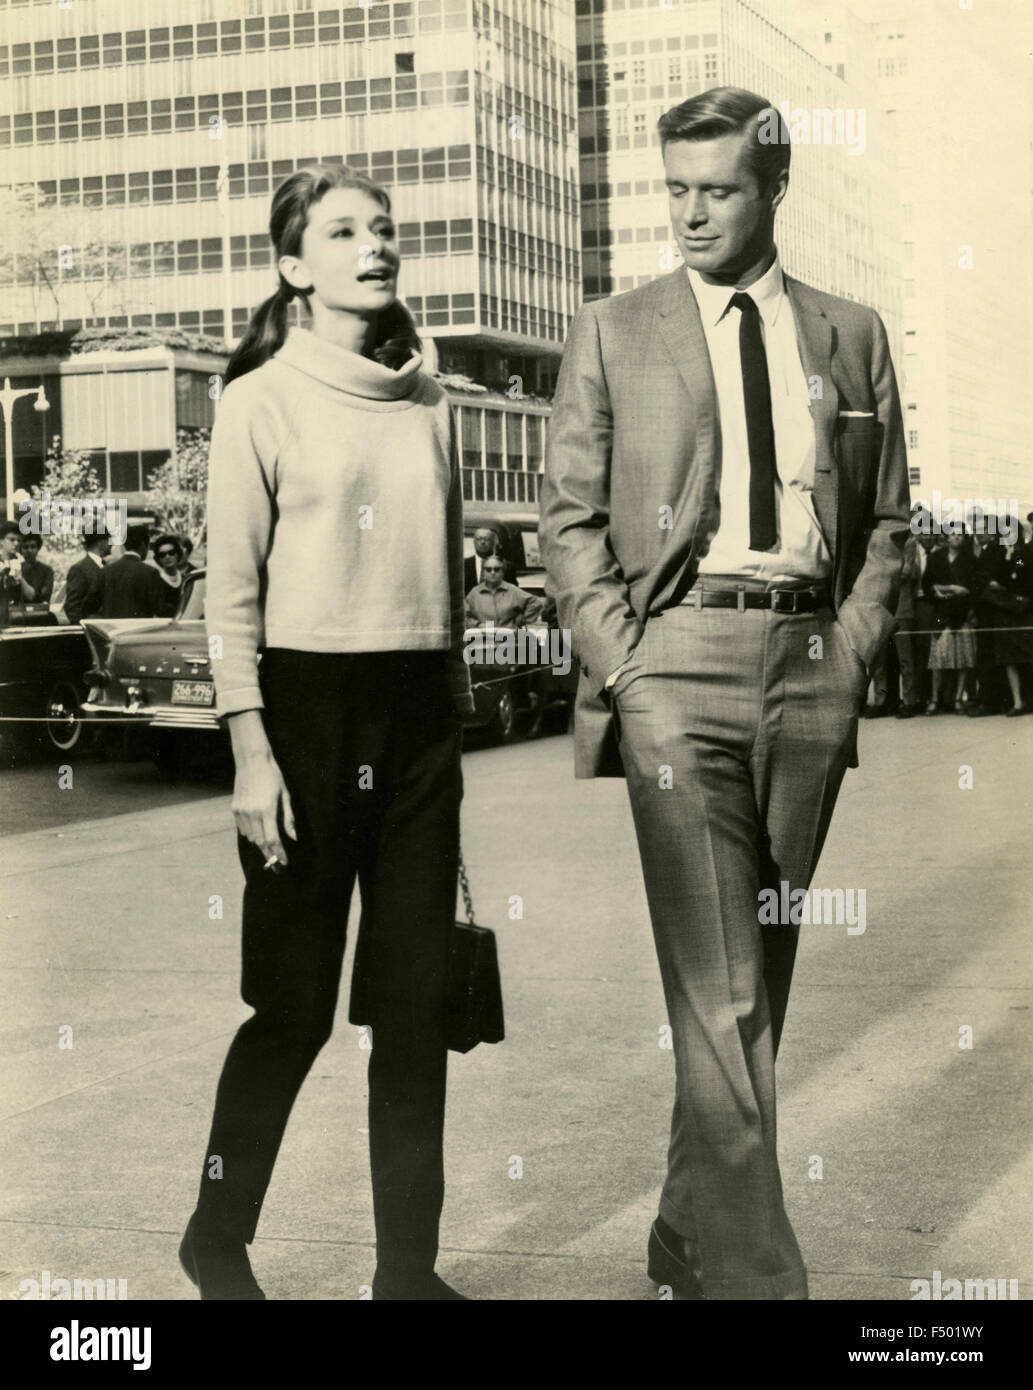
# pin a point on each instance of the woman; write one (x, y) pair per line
(347, 733)
(1008, 601)
(169, 554)
(950, 582)
(14, 588)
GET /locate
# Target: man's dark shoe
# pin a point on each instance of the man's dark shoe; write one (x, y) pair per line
(667, 1262)
(218, 1265)
(875, 712)
(413, 1287)
(907, 711)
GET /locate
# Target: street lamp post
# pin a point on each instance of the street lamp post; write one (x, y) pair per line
(7, 400)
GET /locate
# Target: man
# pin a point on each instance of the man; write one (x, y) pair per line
(128, 588)
(495, 601)
(38, 576)
(880, 699)
(486, 541)
(83, 579)
(723, 516)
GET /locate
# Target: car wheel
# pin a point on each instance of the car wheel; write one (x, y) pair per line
(504, 726)
(63, 712)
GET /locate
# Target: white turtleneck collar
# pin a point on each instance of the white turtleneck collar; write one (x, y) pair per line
(349, 371)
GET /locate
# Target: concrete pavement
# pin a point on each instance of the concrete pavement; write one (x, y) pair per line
(557, 1137)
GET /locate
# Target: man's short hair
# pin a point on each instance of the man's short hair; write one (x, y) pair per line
(10, 528)
(732, 111)
(138, 538)
(92, 539)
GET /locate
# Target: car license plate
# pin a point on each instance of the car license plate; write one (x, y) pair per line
(193, 693)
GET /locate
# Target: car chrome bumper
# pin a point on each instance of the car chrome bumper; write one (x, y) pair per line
(186, 717)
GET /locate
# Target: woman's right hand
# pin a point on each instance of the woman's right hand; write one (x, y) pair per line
(259, 791)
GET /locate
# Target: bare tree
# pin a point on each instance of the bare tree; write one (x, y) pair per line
(52, 248)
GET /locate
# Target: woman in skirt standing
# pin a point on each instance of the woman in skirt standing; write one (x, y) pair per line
(950, 582)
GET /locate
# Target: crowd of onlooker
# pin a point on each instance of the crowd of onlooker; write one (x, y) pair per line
(963, 640)
(96, 585)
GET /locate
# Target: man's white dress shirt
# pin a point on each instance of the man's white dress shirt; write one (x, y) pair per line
(800, 551)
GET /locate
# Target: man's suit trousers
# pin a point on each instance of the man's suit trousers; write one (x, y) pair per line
(369, 748)
(735, 730)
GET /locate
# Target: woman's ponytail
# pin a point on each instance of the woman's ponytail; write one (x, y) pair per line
(264, 336)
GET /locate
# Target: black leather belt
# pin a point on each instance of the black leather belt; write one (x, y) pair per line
(741, 598)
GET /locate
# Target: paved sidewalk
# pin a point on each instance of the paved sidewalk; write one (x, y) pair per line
(556, 1138)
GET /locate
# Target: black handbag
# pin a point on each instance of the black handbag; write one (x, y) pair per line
(474, 986)
(474, 1001)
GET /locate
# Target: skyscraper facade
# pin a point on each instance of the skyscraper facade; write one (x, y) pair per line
(140, 164)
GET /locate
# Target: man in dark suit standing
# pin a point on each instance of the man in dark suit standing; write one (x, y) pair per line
(486, 542)
(128, 588)
(723, 518)
(83, 579)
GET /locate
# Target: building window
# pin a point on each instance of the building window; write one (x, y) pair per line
(229, 36)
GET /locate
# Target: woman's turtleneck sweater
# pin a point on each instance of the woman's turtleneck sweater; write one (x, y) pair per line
(334, 515)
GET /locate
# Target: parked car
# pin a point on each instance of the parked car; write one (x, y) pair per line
(42, 687)
(509, 697)
(156, 673)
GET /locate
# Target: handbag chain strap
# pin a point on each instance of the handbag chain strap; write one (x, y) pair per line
(464, 887)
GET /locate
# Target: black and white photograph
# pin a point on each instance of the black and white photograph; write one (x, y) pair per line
(442, 858)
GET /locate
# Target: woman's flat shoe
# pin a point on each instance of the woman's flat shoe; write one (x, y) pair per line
(411, 1287)
(932, 707)
(1016, 711)
(218, 1266)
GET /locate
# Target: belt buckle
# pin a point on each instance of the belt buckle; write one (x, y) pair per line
(740, 598)
(777, 595)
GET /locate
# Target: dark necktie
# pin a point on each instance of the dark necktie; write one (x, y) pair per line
(760, 431)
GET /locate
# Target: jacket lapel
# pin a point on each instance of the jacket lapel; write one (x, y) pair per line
(814, 334)
(682, 331)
